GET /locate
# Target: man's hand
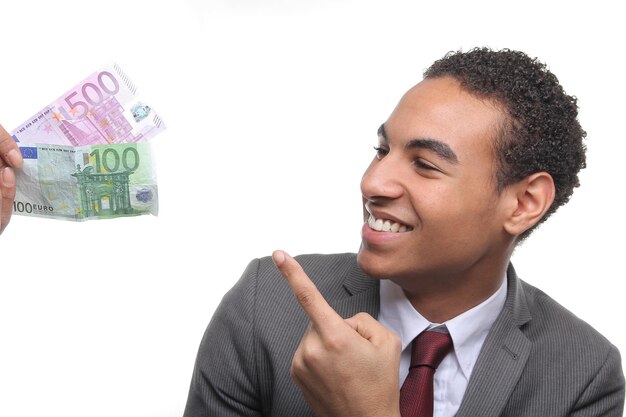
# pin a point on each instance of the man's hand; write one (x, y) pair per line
(343, 367)
(10, 156)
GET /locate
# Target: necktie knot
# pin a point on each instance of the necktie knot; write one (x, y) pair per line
(429, 349)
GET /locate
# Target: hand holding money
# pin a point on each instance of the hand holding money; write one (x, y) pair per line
(9, 157)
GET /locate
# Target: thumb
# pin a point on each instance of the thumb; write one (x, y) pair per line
(369, 328)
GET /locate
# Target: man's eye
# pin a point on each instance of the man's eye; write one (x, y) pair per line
(419, 163)
(380, 152)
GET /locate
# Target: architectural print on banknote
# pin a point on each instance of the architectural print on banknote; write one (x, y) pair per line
(102, 109)
(103, 194)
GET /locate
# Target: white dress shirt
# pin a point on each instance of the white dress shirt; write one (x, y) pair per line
(468, 331)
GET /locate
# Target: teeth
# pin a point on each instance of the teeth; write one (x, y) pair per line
(386, 225)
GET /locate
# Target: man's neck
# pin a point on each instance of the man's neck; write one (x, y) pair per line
(442, 297)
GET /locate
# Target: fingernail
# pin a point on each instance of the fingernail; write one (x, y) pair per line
(279, 257)
(8, 177)
(15, 158)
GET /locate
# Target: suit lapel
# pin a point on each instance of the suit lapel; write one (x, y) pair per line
(502, 357)
(361, 294)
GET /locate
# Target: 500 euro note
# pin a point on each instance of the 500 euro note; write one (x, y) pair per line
(102, 109)
(86, 182)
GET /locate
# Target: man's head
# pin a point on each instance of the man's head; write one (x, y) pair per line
(465, 166)
(541, 131)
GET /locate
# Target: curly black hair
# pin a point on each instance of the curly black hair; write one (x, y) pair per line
(542, 132)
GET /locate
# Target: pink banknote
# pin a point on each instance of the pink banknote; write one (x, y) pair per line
(102, 109)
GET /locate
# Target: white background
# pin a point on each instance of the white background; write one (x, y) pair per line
(272, 109)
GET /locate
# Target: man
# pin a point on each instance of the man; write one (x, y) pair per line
(10, 157)
(471, 160)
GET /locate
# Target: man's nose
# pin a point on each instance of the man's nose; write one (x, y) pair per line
(382, 179)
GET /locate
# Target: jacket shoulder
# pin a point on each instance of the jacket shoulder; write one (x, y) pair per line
(552, 321)
(327, 271)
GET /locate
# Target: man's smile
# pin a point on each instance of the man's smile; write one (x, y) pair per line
(386, 225)
(382, 228)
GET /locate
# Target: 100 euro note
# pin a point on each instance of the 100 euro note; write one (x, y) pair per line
(102, 109)
(86, 182)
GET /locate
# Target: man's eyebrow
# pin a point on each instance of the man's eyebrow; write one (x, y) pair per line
(443, 150)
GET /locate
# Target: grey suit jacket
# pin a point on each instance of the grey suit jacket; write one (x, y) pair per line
(538, 360)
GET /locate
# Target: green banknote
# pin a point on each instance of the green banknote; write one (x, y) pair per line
(87, 182)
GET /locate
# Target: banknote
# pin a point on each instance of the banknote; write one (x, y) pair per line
(102, 109)
(86, 182)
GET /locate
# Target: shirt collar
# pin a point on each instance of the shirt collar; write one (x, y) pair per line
(468, 330)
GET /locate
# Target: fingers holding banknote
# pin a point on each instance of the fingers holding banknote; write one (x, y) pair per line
(9, 152)
(10, 157)
(344, 367)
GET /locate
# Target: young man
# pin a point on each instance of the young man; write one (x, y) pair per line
(470, 161)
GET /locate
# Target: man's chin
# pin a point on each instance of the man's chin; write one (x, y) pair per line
(372, 265)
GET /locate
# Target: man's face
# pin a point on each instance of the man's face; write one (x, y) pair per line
(430, 205)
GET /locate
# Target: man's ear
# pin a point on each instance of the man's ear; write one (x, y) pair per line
(532, 196)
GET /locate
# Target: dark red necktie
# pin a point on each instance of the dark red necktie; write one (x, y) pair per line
(427, 352)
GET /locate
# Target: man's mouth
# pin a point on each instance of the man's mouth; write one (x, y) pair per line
(384, 225)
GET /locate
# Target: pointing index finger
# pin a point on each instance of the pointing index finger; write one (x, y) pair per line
(322, 315)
